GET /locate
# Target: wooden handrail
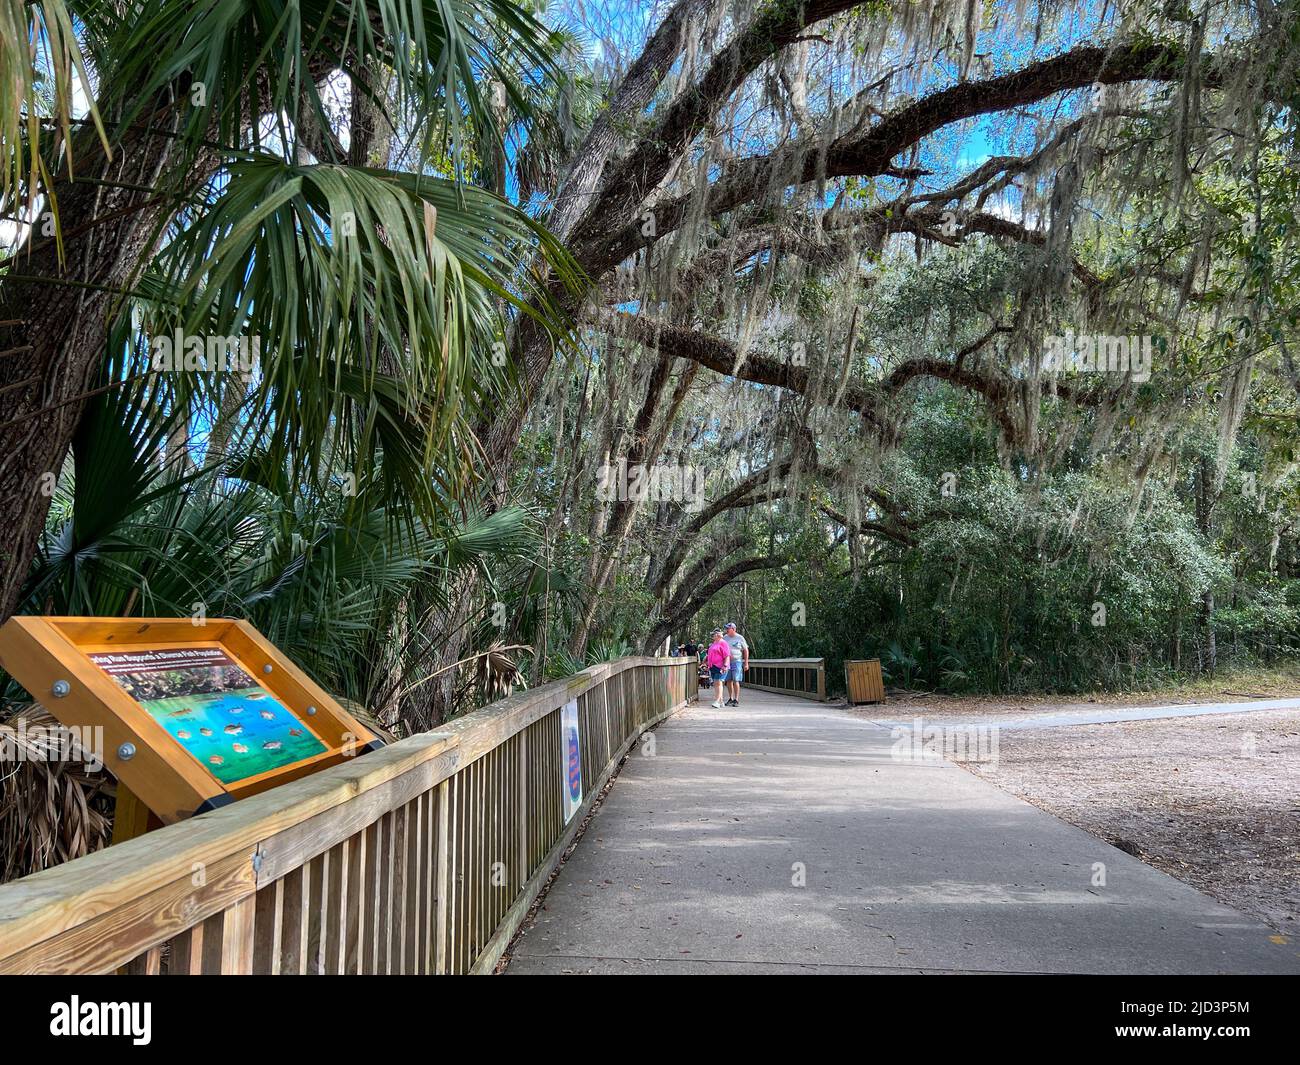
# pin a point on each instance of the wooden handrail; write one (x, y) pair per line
(805, 677)
(386, 863)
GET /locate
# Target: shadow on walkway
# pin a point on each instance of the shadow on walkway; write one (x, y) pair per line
(783, 837)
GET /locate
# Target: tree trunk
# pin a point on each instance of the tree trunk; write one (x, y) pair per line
(1206, 650)
(56, 319)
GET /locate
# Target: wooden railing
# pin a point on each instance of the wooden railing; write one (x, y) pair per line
(422, 857)
(805, 677)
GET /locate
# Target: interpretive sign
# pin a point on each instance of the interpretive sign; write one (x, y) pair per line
(194, 714)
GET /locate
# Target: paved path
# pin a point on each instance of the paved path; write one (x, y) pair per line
(690, 865)
(1054, 719)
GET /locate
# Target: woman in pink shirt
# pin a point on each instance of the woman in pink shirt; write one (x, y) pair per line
(719, 661)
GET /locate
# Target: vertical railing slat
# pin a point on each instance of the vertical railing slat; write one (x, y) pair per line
(237, 937)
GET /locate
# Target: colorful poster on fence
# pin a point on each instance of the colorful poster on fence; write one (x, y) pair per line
(572, 749)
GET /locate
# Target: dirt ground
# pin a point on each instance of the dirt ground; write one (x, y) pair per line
(1213, 800)
(906, 704)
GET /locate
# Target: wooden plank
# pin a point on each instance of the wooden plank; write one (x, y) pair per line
(443, 867)
(112, 939)
(864, 681)
(459, 902)
(429, 904)
(267, 929)
(384, 948)
(296, 895)
(370, 903)
(397, 929)
(333, 907)
(474, 867)
(317, 879)
(237, 938)
(414, 886)
(131, 817)
(353, 890)
(147, 964)
(492, 852)
(187, 952)
(519, 810)
(480, 821)
(214, 939)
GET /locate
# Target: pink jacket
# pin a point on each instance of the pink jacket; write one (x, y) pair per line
(719, 654)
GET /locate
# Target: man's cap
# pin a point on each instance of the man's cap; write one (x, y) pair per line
(731, 624)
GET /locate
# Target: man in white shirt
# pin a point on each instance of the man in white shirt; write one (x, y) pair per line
(739, 662)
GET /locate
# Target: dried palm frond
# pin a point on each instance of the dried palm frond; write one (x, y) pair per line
(496, 674)
(56, 801)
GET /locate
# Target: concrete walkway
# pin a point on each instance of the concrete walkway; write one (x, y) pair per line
(693, 861)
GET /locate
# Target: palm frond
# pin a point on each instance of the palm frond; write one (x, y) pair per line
(262, 56)
(373, 299)
(40, 66)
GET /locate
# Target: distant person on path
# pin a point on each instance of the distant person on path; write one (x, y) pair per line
(739, 662)
(719, 661)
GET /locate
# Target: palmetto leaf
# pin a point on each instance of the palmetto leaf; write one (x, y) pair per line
(40, 62)
(374, 297)
(226, 53)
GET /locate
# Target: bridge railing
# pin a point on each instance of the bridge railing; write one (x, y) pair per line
(422, 857)
(789, 676)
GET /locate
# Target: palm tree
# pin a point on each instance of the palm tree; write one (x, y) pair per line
(230, 183)
(223, 187)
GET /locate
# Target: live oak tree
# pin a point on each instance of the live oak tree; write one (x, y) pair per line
(745, 146)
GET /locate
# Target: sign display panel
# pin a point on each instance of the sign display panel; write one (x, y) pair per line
(572, 751)
(193, 715)
(215, 710)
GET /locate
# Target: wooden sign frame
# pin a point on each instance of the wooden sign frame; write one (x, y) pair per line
(49, 657)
